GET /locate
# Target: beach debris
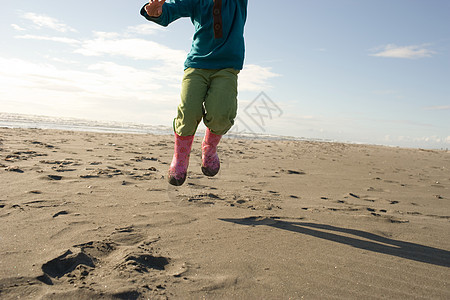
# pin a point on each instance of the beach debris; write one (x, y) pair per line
(354, 195)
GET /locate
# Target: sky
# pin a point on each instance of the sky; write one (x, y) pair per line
(363, 71)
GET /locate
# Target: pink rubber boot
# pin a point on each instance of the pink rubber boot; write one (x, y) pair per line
(180, 162)
(210, 159)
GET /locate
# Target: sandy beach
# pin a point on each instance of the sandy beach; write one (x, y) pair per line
(91, 216)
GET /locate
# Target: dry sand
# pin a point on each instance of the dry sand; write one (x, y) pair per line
(91, 216)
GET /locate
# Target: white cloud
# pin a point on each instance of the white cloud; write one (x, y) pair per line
(106, 90)
(410, 52)
(58, 85)
(104, 79)
(138, 49)
(252, 78)
(433, 139)
(144, 29)
(47, 38)
(106, 35)
(255, 78)
(43, 21)
(62, 60)
(17, 27)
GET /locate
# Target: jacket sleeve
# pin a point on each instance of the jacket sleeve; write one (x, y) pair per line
(172, 10)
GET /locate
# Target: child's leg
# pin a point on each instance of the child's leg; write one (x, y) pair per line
(180, 160)
(220, 111)
(221, 101)
(190, 112)
(193, 92)
(210, 159)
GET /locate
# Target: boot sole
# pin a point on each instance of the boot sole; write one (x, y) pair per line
(176, 182)
(209, 172)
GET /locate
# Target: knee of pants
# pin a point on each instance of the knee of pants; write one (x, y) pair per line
(186, 122)
(219, 123)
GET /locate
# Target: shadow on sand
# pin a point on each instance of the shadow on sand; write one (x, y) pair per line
(369, 241)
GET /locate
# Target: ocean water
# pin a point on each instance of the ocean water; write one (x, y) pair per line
(43, 122)
(10, 120)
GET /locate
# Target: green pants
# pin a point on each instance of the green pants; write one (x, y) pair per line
(210, 95)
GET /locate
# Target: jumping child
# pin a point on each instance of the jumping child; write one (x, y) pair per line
(209, 85)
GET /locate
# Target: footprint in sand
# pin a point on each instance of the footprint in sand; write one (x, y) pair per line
(105, 268)
(67, 263)
(200, 186)
(204, 198)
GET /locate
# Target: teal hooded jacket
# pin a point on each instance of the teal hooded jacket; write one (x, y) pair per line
(214, 46)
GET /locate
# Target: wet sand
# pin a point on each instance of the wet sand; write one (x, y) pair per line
(91, 216)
